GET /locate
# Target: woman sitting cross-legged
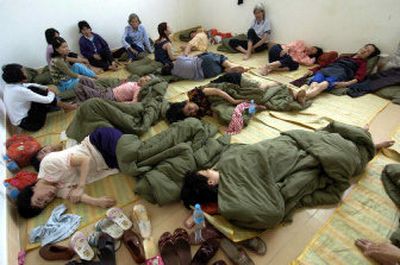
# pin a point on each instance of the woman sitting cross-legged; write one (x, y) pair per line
(66, 77)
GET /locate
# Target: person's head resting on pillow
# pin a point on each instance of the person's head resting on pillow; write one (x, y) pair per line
(181, 110)
(368, 51)
(34, 198)
(200, 187)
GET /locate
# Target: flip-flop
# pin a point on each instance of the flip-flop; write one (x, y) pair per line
(109, 227)
(81, 246)
(237, 255)
(182, 246)
(167, 249)
(141, 218)
(106, 247)
(117, 216)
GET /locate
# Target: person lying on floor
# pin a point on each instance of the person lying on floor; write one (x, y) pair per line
(64, 76)
(199, 105)
(343, 72)
(95, 48)
(64, 173)
(205, 65)
(198, 42)
(126, 92)
(288, 57)
(260, 185)
(71, 58)
(388, 75)
(257, 36)
(163, 51)
(27, 104)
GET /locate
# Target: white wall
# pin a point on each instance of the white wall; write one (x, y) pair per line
(342, 25)
(23, 23)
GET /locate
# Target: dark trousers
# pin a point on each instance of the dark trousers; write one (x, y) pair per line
(233, 78)
(105, 62)
(212, 64)
(37, 113)
(375, 82)
(135, 47)
(251, 36)
(286, 60)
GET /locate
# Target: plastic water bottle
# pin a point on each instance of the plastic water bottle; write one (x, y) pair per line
(12, 192)
(12, 166)
(252, 108)
(199, 223)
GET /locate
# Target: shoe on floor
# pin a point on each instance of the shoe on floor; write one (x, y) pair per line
(56, 252)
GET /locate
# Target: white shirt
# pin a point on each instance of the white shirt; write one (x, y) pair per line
(18, 99)
(56, 167)
(261, 27)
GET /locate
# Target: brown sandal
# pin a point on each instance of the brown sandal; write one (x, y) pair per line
(206, 252)
(182, 246)
(133, 243)
(167, 249)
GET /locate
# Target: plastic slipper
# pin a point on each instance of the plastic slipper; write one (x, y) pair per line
(182, 246)
(105, 246)
(109, 227)
(167, 249)
(81, 246)
(206, 252)
(117, 216)
(93, 240)
(141, 218)
(236, 255)
(134, 245)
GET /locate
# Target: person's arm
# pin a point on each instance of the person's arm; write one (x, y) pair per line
(361, 71)
(103, 202)
(29, 95)
(86, 49)
(345, 83)
(62, 66)
(168, 47)
(146, 39)
(81, 162)
(211, 91)
(263, 40)
(188, 49)
(123, 40)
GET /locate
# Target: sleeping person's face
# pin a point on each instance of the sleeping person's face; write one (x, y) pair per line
(365, 51)
(211, 175)
(190, 109)
(47, 149)
(144, 80)
(311, 50)
(43, 194)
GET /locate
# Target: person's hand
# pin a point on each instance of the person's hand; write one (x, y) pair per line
(261, 107)
(340, 84)
(52, 89)
(106, 202)
(284, 51)
(135, 52)
(75, 194)
(84, 61)
(96, 56)
(238, 101)
(383, 253)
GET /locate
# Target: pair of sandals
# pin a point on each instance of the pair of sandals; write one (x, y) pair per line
(238, 255)
(115, 224)
(105, 246)
(175, 249)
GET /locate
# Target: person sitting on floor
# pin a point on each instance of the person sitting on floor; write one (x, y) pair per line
(95, 48)
(288, 57)
(135, 39)
(72, 57)
(343, 72)
(388, 75)
(64, 76)
(27, 104)
(260, 185)
(127, 92)
(257, 36)
(198, 42)
(205, 65)
(163, 52)
(64, 173)
(198, 105)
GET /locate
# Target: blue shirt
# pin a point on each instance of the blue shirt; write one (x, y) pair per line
(139, 37)
(188, 67)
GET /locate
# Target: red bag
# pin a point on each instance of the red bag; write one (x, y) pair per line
(22, 179)
(21, 148)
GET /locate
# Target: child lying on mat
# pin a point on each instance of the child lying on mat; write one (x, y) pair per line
(64, 173)
(126, 92)
(343, 72)
(199, 106)
(27, 104)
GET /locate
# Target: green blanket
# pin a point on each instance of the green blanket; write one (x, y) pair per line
(41, 76)
(279, 98)
(225, 47)
(262, 184)
(147, 66)
(162, 161)
(392, 93)
(129, 118)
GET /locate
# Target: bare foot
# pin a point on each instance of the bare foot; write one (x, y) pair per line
(236, 69)
(106, 202)
(383, 253)
(265, 70)
(301, 97)
(384, 144)
(67, 106)
(246, 56)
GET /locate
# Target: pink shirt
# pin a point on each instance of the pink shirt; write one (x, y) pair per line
(297, 50)
(128, 91)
